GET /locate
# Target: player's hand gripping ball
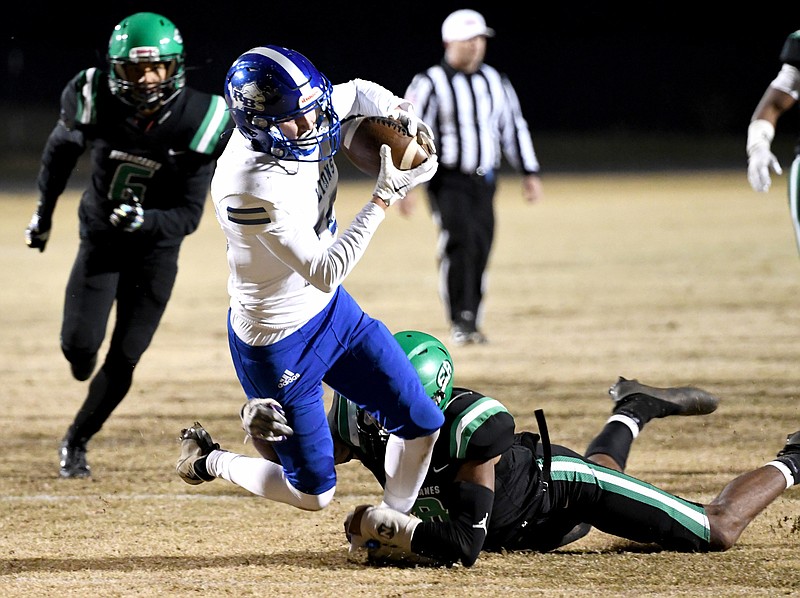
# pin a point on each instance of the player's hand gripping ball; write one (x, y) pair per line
(362, 137)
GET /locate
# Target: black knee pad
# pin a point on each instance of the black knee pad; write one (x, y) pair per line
(81, 363)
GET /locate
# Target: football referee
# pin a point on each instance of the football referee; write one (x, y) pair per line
(476, 119)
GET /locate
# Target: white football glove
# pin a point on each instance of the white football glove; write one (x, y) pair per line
(394, 184)
(368, 526)
(760, 159)
(408, 118)
(357, 542)
(38, 232)
(265, 419)
(382, 536)
(758, 166)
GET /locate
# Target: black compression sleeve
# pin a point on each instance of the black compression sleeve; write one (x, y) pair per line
(59, 158)
(462, 537)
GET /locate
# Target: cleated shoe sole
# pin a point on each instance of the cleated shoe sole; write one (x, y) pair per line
(688, 400)
(196, 444)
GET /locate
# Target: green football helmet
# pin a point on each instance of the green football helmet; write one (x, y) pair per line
(790, 53)
(145, 38)
(433, 363)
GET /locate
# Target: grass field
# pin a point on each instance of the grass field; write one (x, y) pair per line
(671, 279)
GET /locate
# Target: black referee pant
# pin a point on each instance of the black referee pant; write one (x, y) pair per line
(462, 206)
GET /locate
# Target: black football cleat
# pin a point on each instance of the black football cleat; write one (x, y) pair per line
(789, 455)
(677, 400)
(792, 446)
(73, 460)
(196, 444)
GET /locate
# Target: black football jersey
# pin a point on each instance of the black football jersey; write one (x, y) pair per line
(167, 160)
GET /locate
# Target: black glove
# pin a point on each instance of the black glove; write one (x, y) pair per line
(128, 215)
(38, 231)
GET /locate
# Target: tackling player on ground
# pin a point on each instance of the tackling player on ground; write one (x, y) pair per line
(489, 488)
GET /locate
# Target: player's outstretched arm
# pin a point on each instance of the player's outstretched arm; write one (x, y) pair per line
(460, 537)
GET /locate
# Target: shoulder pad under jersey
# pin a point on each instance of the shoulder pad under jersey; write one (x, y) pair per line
(212, 112)
(79, 99)
(480, 427)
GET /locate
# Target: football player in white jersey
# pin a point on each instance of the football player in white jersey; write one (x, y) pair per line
(292, 326)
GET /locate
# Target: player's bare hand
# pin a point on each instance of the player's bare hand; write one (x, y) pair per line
(408, 204)
(532, 189)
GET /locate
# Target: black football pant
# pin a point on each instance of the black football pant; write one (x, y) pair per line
(462, 208)
(581, 491)
(140, 280)
(794, 198)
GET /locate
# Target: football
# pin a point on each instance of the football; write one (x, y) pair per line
(362, 137)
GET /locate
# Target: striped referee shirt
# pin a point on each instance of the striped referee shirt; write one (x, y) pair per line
(476, 119)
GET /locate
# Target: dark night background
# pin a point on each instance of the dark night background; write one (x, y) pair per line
(604, 86)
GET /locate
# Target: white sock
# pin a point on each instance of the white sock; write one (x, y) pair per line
(263, 478)
(627, 421)
(406, 466)
(784, 469)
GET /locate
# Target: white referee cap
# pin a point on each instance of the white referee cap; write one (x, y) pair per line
(464, 24)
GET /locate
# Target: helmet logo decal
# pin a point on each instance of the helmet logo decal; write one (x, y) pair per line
(247, 97)
(144, 54)
(309, 98)
(444, 375)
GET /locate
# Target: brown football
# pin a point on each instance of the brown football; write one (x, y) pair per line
(362, 137)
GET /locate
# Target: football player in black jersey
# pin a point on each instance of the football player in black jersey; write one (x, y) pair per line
(489, 488)
(154, 143)
(778, 98)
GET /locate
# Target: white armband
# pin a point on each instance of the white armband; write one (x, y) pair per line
(759, 135)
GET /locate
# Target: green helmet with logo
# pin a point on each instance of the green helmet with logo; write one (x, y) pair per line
(433, 363)
(145, 37)
(790, 53)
